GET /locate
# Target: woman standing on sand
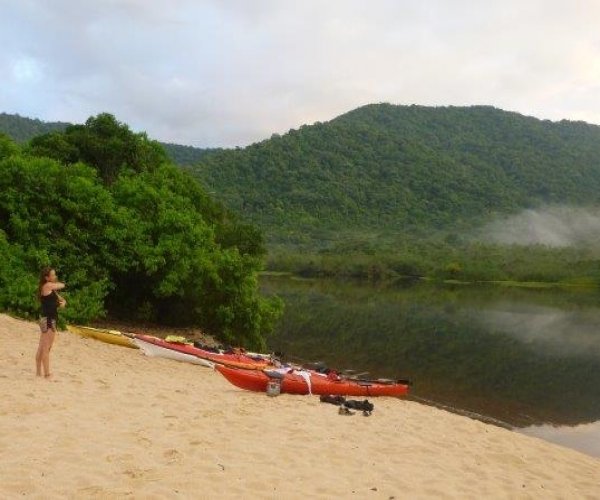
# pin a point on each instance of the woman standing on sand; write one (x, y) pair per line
(50, 301)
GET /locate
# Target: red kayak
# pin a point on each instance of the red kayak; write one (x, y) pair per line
(296, 383)
(234, 360)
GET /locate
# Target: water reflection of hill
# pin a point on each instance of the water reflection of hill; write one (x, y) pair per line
(520, 356)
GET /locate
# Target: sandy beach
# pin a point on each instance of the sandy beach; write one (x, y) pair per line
(116, 424)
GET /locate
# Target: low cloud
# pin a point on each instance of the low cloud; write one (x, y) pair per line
(556, 226)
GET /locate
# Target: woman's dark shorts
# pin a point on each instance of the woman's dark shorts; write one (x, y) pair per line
(46, 324)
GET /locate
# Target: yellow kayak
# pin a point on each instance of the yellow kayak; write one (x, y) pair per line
(103, 335)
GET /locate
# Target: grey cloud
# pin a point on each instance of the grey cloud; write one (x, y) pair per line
(231, 72)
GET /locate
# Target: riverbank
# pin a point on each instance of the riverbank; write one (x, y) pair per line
(436, 260)
(575, 285)
(116, 424)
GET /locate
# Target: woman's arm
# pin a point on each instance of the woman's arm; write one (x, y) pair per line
(54, 286)
(48, 288)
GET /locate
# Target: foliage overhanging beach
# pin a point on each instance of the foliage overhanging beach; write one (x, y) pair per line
(129, 232)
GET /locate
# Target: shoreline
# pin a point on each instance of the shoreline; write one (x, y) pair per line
(190, 333)
(115, 424)
(533, 285)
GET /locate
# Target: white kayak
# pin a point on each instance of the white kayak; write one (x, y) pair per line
(157, 351)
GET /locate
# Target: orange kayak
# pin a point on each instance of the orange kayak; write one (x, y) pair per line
(320, 384)
(233, 360)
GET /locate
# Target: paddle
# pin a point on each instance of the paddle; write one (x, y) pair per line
(383, 381)
(352, 375)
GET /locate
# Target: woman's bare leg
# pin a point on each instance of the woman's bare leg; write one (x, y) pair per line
(48, 341)
(39, 356)
(52, 339)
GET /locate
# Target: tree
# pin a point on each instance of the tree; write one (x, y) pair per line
(103, 143)
(139, 237)
(7, 147)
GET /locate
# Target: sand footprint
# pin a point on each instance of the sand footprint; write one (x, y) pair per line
(144, 441)
(120, 457)
(103, 383)
(137, 473)
(172, 456)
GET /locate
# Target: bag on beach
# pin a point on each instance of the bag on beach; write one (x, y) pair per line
(363, 406)
(334, 400)
(349, 404)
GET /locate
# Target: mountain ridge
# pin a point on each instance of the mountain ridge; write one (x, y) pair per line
(384, 169)
(389, 168)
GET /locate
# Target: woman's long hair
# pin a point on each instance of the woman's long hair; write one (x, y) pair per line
(43, 279)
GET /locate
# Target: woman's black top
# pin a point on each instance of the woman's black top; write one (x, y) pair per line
(50, 306)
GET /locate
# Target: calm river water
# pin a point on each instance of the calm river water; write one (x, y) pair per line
(529, 359)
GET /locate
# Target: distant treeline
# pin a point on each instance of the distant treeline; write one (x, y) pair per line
(22, 129)
(186, 155)
(129, 232)
(439, 260)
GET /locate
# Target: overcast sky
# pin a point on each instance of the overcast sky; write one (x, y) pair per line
(231, 72)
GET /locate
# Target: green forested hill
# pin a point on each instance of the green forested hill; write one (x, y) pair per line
(22, 129)
(405, 169)
(186, 155)
(397, 190)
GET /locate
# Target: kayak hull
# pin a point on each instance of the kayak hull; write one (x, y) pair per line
(232, 360)
(153, 350)
(108, 336)
(256, 380)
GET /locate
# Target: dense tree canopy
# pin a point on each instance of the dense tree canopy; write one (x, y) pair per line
(129, 232)
(381, 191)
(409, 169)
(22, 129)
(102, 142)
(186, 155)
